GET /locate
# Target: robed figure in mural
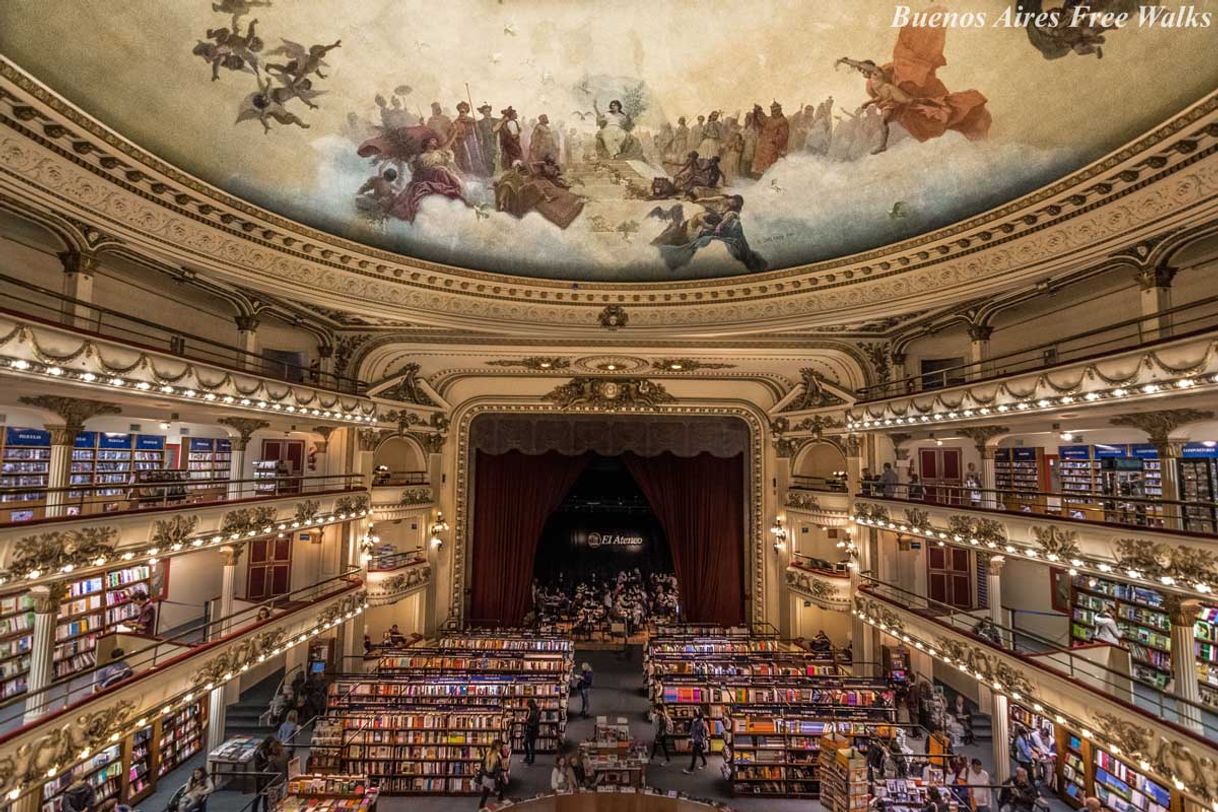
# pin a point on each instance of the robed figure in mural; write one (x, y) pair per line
(613, 137)
(434, 174)
(465, 144)
(773, 132)
(907, 91)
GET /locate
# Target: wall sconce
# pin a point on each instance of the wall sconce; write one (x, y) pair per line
(438, 526)
(780, 534)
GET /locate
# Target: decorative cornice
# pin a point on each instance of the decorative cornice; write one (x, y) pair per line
(686, 365)
(823, 592)
(987, 666)
(248, 653)
(802, 500)
(1057, 543)
(609, 394)
(417, 496)
(432, 442)
(813, 394)
(988, 531)
(981, 435)
(613, 317)
(1162, 751)
(351, 504)
(61, 552)
(306, 511)
(539, 363)
(245, 428)
(250, 521)
(1170, 565)
(174, 530)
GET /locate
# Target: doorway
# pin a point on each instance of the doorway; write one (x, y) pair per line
(940, 467)
(949, 577)
(270, 569)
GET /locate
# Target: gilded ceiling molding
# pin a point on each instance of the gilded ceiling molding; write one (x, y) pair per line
(245, 428)
(73, 411)
(430, 442)
(686, 365)
(1170, 565)
(1160, 423)
(813, 394)
(250, 521)
(175, 530)
(613, 317)
(1057, 543)
(63, 155)
(609, 394)
(409, 387)
(537, 363)
(755, 558)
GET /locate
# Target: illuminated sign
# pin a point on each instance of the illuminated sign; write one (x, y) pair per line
(628, 540)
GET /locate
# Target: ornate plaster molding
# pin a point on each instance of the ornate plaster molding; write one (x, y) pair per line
(609, 394)
(826, 593)
(61, 551)
(417, 496)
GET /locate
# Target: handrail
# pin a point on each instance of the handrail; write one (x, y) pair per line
(820, 483)
(813, 564)
(381, 479)
(393, 561)
(1094, 507)
(1188, 715)
(65, 693)
(66, 313)
(1022, 360)
(90, 500)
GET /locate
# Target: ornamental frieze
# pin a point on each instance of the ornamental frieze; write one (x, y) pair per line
(986, 531)
(1169, 564)
(53, 552)
(986, 665)
(248, 520)
(243, 656)
(1167, 755)
(880, 613)
(351, 504)
(306, 511)
(821, 591)
(63, 745)
(417, 496)
(1054, 541)
(874, 513)
(609, 393)
(802, 500)
(175, 530)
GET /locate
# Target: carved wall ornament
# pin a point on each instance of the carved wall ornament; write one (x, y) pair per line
(817, 424)
(802, 500)
(822, 591)
(537, 363)
(409, 389)
(813, 395)
(63, 744)
(917, 518)
(686, 365)
(875, 513)
(248, 520)
(1158, 425)
(245, 428)
(345, 348)
(1054, 541)
(987, 531)
(403, 417)
(351, 504)
(306, 511)
(988, 666)
(898, 440)
(343, 607)
(248, 653)
(787, 447)
(880, 356)
(73, 411)
(780, 425)
(1157, 560)
(439, 421)
(417, 496)
(879, 613)
(431, 442)
(854, 445)
(369, 439)
(48, 553)
(613, 317)
(609, 393)
(176, 530)
(981, 435)
(1169, 758)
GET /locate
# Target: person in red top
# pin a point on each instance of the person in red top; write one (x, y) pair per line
(145, 621)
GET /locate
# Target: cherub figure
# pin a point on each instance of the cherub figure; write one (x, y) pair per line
(230, 49)
(301, 61)
(267, 103)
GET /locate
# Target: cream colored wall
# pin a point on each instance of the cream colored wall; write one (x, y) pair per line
(808, 619)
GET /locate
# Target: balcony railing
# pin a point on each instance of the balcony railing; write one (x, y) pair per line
(112, 499)
(820, 566)
(384, 479)
(829, 484)
(1074, 664)
(26, 709)
(1194, 517)
(1189, 319)
(396, 561)
(30, 301)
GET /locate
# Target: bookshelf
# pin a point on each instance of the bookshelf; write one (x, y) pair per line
(1075, 776)
(103, 771)
(208, 461)
(16, 638)
(775, 751)
(1138, 611)
(508, 694)
(497, 641)
(1198, 478)
(92, 607)
(843, 776)
(139, 779)
(437, 660)
(265, 474)
(420, 752)
(1122, 789)
(1019, 472)
(25, 462)
(180, 736)
(1078, 471)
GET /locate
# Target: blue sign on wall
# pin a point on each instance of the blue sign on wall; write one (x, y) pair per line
(1074, 452)
(108, 440)
(1024, 454)
(224, 445)
(150, 442)
(1144, 451)
(27, 437)
(200, 444)
(86, 439)
(1110, 452)
(1199, 451)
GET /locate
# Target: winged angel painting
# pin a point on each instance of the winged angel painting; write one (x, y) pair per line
(558, 140)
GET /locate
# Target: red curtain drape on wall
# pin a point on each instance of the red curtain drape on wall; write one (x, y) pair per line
(514, 494)
(700, 504)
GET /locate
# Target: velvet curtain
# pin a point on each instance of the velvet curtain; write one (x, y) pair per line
(699, 502)
(514, 494)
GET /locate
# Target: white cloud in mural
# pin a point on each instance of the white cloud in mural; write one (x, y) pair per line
(805, 207)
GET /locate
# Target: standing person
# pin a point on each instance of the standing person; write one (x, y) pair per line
(917, 493)
(1019, 792)
(490, 772)
(585, 688)
(663, 727)
(508, 128)
(1106, 628)
(699, 733)
(888, 481)
(439, 123)
(532, 727)
(978, 781)
(145, 622)
(289, 727)
(486, 138)
(972, 483)
(773, 132)
(79, 796)
(1025, 753)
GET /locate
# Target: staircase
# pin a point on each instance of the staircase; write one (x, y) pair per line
(242, 717)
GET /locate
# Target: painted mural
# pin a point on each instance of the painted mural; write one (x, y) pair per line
(623, 141)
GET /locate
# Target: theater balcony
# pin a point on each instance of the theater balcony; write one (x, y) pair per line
(825, 584)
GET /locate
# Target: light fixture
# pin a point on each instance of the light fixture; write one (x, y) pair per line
(1067, 436)
(780, 534)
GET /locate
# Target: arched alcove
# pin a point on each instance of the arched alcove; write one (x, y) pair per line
(819, 460)
(400, 455)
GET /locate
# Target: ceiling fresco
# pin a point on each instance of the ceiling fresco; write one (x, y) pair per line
(632, 141)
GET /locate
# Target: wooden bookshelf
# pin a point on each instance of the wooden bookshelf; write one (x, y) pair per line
(843, 776)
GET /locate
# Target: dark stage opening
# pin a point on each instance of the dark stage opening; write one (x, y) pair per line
(603, 526)
(576, 493)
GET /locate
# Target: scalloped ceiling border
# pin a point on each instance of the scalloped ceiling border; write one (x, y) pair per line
(290, 254)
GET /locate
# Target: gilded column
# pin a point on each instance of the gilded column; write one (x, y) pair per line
(1183, 614)
(73, 412)
(993, 584)
(1000, 727)
(42, 649)
(245, 428)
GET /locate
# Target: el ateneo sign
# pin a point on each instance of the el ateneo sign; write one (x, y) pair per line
(631, 541)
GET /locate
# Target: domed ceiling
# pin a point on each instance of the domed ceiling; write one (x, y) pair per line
(556, 139)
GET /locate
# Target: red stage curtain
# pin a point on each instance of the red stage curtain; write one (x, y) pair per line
(700, 504)
(514, 494)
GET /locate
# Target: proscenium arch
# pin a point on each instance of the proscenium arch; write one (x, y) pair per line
(756, 588)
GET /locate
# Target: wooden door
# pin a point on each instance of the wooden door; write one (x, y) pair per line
(940, 466)
(291, 451)
(270, 569)
(949, 577)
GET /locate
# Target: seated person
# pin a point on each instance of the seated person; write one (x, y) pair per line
(113, 672)
(197, 788)
(145, 621)
(395, 636)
